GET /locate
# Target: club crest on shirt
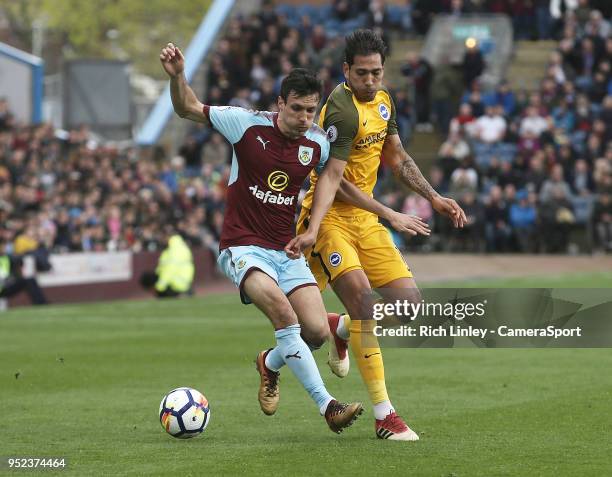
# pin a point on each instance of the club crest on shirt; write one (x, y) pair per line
(305, 154)
(383, 110)
(335, 259)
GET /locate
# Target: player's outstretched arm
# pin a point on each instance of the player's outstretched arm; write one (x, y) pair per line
(407, 171)
(353, 195)
(325, 191)
(184, 100)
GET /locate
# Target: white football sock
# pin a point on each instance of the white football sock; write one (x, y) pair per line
(382, 410)
(342, 331)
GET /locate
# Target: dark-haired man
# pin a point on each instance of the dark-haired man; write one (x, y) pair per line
(353, 251)
(272, 155)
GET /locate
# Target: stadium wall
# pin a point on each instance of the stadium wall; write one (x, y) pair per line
(60, 289)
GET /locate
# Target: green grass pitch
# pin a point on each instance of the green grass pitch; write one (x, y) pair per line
(85, 382)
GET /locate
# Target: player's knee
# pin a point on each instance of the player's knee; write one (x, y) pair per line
(315, 338)
(282, 314)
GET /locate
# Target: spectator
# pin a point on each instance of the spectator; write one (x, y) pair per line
(444, 91)
(556, 69)
(377, 16)
(406, 24)
(457, 8)
(463, 123)
(504, 97)
(581, 178)
(342, 10)
(563, 117)
(318, 39)
(510, 175)
(491, 175)
(606, 115)
(557, 218)
(423, 12)
(558, 8)
(473, 65)
(241, 99)
(216, 151)
(455, 147)
(403, 111)
(599, 86)
(523, 18)
(419, 73)
(594, 148)
(543, 19)
(586, 62)
(463, 179)
(490, 128)
(489, 131)
(581, 14)
(602, 221)
(555, 184)
(468, 238)
(191, 152)
(497, 228)
(523, 221)
(536, 174)
(533, 125)
(475, 100)
(437, 180)
(258, 71)
(597, 26)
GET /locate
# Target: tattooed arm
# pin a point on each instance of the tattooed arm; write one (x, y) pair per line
(406, 170)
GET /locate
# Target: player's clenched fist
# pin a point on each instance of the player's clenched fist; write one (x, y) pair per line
(298, 244)
(172, 60)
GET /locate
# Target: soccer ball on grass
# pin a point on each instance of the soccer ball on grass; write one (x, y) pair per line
(184, 413)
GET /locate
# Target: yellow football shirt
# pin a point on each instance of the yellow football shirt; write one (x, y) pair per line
(356, 132)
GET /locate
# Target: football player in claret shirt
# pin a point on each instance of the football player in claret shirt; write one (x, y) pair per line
(273, 153)
(353, 251)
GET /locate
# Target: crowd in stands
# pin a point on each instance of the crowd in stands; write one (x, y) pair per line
(532, 170)
(63, 193)
(522, 165)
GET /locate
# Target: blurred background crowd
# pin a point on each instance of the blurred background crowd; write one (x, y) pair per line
(530, 168)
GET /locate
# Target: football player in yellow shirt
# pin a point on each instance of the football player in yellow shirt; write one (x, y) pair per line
(353, 251)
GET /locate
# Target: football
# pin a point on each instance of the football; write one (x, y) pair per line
(184, 413)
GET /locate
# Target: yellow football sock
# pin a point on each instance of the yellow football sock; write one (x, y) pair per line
(369, 358)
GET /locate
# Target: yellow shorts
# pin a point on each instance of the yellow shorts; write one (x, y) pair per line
(346, 244)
